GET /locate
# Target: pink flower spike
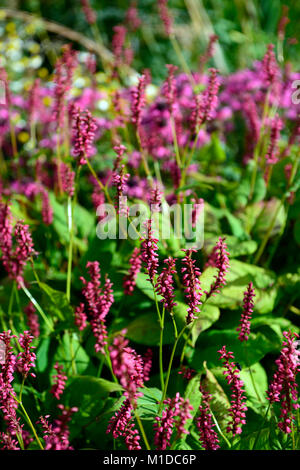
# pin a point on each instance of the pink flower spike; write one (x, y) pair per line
(165, 284)
(26, 358)
(283, 387)
(208, 436)
(191, 284)
(149, 251)
(222, 264)
(238, 397)
(244, 328)
(135, 263)
(60, 380)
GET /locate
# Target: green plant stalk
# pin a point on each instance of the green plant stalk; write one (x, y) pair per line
(268, 233)
(258, 434)
(259, 146)
(170, 367)
(219, 429)
(181, 58)
(161, 367)
(251, 375)
(161, 324)
(103, 188)
(70, 253)
(32, 427)
(37, 306)
(142, 430)
(175, 141)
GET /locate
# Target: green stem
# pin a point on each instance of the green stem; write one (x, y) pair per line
(104, 189)
(142, 430)
(251, 375)
(37, 306)
(170, 367)
(70, 254)
(258, 434)
(161, 367)
(219, 429)
(32, 427)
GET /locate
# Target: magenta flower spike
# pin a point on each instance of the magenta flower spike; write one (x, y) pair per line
(60, 380)
(221, 261)
(99, 300)
(248, 304)
(174, 416)
(165, 284)
(208, 436)
(84, 128)
(26, 358)
(138, 102)
(238, 398)
(128, 367)
(165, 16)
(284, 388)
(192, 287)
(149, 251)
(135, 262)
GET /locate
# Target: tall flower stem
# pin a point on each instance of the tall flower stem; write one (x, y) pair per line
(259, 146)
(170, 367)
(142, 430)
(181, 59)
(101, 185)
(251, 375)
(260, 429)
(37, 306)
(70, 253)
(161, 368)
(219, 429)
(31, 426)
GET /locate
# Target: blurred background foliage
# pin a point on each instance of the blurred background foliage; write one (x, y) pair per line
(244, 28)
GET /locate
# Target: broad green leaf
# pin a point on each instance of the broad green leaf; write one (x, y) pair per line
(258, 345)
(146, 287)
(69, 350)
(57, 302)
(148, 403)
(219, 403)
(145, 329)
(208, 315)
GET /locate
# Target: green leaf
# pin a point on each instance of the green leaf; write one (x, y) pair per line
(208, 315)
(145, 329)
(258, 345)
(148, 403)
(67, 349)
(56, 303)
(219, 403)
(146, 287)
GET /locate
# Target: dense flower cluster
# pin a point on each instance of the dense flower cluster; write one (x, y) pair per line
(238, 398)
(208, 436)
(60, 380)
(122, 425)
(135, 267)
(149, 251)
(221, 262)
(128, 367)
(191, 284)
(99, 300)
(244, 327)
(84, 128)
(283, 387)
(56, 435)
(175, 415)
(165, 284)
(14, 259)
